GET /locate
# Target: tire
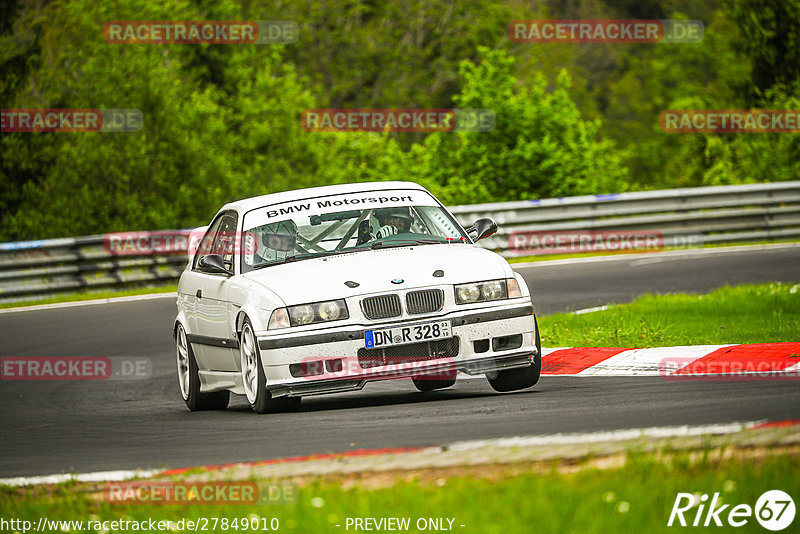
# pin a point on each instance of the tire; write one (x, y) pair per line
(515, 379)
(189, 379)
(254, 379)
(423, 383)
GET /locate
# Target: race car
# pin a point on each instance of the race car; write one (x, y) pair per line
(322, 290)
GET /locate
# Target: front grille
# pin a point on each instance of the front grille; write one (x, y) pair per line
(413, 352)
(381, 307)
(425, 301)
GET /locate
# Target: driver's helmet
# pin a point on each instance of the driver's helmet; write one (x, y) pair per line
(399, 217)
(276, 241)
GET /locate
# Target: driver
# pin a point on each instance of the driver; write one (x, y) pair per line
(393, 221)
(277, 241)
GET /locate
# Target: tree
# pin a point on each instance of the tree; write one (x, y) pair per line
(770, 37)
(540, 147)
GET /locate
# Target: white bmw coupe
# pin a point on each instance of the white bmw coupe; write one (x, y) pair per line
(323, 290)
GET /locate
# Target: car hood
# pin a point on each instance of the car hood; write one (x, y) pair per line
(324, 278)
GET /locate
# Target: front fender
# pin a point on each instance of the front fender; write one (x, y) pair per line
(182, 320)
(254, 301)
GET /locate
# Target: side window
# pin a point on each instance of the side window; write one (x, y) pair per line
(226, 239)
(219, 239)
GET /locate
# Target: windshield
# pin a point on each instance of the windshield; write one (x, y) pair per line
(347, 222)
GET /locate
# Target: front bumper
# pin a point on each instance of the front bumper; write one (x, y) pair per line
(333, 355)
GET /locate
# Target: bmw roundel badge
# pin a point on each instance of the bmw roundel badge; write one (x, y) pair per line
(397, 281)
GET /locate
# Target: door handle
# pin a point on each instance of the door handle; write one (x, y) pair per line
(199, 293)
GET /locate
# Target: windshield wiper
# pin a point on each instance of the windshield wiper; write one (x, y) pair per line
(298, 257)
(387, 243)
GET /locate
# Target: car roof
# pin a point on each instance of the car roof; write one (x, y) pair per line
(248, 204)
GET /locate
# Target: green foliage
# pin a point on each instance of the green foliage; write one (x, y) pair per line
(771, 39)
(540, 146)
(221, 122)
(207, 138)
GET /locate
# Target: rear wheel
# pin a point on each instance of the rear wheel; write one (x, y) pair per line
(189, 379)
(254, 379)
(514, 379)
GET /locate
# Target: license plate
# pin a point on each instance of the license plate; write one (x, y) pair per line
(403, 335)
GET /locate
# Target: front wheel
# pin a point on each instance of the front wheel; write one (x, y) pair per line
(189, 379)
(254, 379)
(514, 379)
(429, 383)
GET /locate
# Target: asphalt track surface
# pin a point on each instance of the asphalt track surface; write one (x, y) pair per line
(62, 427)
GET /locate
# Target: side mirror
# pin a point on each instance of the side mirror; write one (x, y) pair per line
(213, 263)
(483, 228)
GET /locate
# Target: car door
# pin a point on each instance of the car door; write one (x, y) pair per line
(213, 337)
(190, 284)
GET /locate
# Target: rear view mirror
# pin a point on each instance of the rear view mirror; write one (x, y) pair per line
(483, 228)
(213, 263)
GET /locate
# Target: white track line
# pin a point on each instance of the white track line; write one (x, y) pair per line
(589, 310)
(597, 437)
(98, 476)
(112, 300)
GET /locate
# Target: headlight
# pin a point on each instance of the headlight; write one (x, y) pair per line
(331, 310)
(467, 293)
(486, 291)
(303, 314)
(494, 290)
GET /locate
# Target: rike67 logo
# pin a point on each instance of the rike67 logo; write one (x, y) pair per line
(774, 510)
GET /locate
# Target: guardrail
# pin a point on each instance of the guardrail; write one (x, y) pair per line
(706, 215)
(701, 215)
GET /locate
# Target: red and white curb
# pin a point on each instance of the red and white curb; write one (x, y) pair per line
(760, 360)
(312, 463)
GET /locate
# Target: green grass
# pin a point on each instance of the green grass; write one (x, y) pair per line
(634, 498)
(742, 314)
(93, 295)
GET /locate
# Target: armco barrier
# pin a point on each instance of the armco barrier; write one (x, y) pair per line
(709, 215)
(34, 269)
(720, 214)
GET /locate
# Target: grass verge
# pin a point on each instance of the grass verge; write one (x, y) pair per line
(93, 295)
(636, 497)
(741, 314)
